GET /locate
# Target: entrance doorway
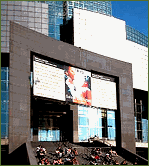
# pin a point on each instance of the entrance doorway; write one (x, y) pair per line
(51, 121)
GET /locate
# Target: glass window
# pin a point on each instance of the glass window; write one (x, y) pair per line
(4, 7)
(44, 15)
(45, 10)
(59, 21)
(51, 29)
(24, 8)
(45, 31)
(44, 21)
(24, 3)
(61, 2)
(44, 26)
(3, 130)
(10, 17)
(3, 17)
(31, 14)
(4, 86)
(3, 44)
(44, 5)
(18, 8)
(4, 96)
(83, 133)
(38, 14)
(31, 9)
(11, 13)
(3, 28)
(31, 19)
(25, 18)
(3, 74)
(3, 2)
(58, 29)
(3, 22)
(31, 3)
(38, 20)
(57, 36)
(38, 10)
(3, 12)
(38, 25)
(38, 4)
(52, 35)
(17, 18)
(4, 118)
(18, 3)
(4, 107)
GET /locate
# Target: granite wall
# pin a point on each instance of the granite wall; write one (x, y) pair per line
(22, 42)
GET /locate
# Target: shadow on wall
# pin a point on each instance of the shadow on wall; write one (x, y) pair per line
(17, 157)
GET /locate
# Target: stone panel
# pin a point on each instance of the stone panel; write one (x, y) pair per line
(34, 41)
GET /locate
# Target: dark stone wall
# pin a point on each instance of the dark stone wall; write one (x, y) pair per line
(22, 42)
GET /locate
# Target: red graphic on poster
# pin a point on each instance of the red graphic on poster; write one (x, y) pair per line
(78, 86)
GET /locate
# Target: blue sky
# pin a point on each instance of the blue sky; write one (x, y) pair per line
(135, 13)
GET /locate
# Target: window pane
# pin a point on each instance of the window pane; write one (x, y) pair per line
(3, 130)
(10, 17)
(44, 11)
(37, 19)
(4, 96)
(4, 118)
(31, 24)
(3, 85)
(18, 7)
(18, 3)
(31, 14)
(24, 8)
(3, 44)
(10, 8)
(38, 10)
(31, 9)
(3, 12)
(45, 21)
(31, 19)
(3, 28)
(3, 17)
(3, 7)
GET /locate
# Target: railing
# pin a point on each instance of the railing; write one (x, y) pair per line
(132, 157)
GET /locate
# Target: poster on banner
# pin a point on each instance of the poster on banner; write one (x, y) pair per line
(103, 92)
(78, 85)
(48, 79)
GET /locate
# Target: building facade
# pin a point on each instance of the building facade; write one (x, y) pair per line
(28, 105)
(46, 18)
(89, 35)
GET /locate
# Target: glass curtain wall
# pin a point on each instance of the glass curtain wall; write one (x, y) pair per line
(55, 9)
(94, 121)
(33, 15)
(135, 36)
(141, 123)
(103, 7)
(4, 101)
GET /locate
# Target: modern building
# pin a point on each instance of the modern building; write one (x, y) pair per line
(44, 17)
(88, 34)
(72, 76)
(135, 36)
(33, 15)
(102, 53)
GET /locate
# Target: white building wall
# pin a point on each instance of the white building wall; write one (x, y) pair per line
(106, 35)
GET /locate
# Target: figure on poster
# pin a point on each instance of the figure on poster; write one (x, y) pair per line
(78, 87)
